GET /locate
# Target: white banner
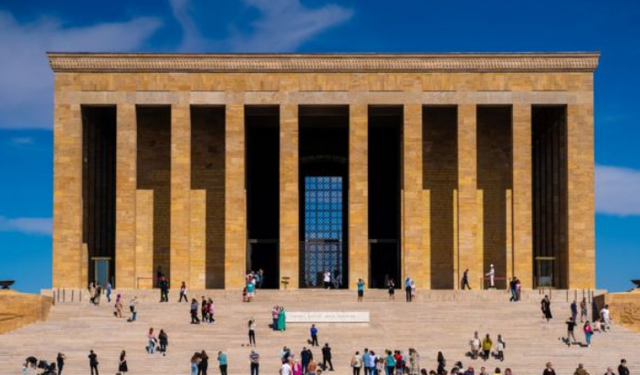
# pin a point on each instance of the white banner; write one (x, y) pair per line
(327, 316)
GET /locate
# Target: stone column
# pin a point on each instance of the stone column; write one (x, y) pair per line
(235, 217)
(522, 262)
(144, 239)
(198, 239)
(126, 184)
(467, 196)
(180, 193)
(289, 195)
(580, 197)
(358, 195)
(67, 197)
(417, 259)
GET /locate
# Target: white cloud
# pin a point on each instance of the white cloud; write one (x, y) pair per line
(20, 141)
(192, 40)
(617, 191)
(284, 25)
(26, 225)
(26, 91)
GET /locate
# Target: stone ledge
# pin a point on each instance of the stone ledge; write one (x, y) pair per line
(313, 63)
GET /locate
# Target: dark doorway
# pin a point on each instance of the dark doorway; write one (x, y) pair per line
(385, 124)
(208, 174)
(440, 166)
(99, 190)
(154, 173)
(263, 191)
(549, 167)
(324, 173)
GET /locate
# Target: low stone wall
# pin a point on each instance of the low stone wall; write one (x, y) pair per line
(20, 309)
(623, 307)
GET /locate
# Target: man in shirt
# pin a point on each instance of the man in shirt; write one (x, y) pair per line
(326, 357)
(93, 362)
(605, 316)
(365, 361)
(314, 335)
(255, 362)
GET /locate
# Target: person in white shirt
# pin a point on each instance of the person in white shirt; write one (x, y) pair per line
(285, 369)
(327, 279)
(605, 316)
(492, 274)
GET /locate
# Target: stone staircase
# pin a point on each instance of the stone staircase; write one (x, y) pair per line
(438, 320)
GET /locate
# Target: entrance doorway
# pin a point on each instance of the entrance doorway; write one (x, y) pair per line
(102, 270)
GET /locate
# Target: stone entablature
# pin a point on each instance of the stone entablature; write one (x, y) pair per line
(311, 63)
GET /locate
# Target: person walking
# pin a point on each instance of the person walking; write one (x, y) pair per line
(254, 357)
(252, 331)
(222, 362)
(183, 292)
(108, 289)
(194, 312)
(326, 357)
(512, 290)
(605, 318)
(151, 341)
(163, 340)
(60, 362)
(133, 307)
(571, 324)
(588, 332)
(122, 365)
(360, 290)
(407, 288)
(93, 362)
(465, 280)
(314, 335)
(203, 366)
(356, 363)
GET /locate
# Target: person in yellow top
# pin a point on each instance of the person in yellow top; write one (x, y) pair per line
(486, 346)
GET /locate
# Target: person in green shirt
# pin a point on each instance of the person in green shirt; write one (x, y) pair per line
(390, 363)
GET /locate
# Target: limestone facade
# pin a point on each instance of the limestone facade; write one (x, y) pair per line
(447, 210)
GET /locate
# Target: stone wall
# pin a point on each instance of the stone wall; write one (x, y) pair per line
(20, 309)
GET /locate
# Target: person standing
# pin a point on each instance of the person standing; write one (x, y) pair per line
(492, 276)
(296, 368)
(254, 357)
(314, 335)
(274, 316)
(305, 357)
(96, 300)
(118, 306)
(108, 289)
(251, 290)
(392, 289)
(282, 325)
(581, 370)
(163, 340)
(327, 280)
(365, 361)
(222, 362)
(605, 317)
(512, 290)
(360, 290)
(545, 305)
(164, 289)
(183, 292)
(60, 362)
(574, 310)
(500, 346)
(133, 305)
(588, 332)
(326, 357)
(622, 368)
(203, 366)
(122, 366)
(252, 331)
(390, 363)
(549, 369)
(92, 292)
(312, 368)
(486, 347)
(583, 310)
(204, 311)
(356, 363)
(93, 362)
(465, 280)
(260, 278)
(285, 369)
(407, 288)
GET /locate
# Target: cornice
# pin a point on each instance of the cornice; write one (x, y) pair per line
(318, 63)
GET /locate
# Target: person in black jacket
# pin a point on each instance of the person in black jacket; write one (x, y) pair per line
(60, 362)
(326, 357)
(623, 369)
(93, 362)
(164, 289)
(204, 363)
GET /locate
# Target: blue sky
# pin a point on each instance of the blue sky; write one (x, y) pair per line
(29, 28)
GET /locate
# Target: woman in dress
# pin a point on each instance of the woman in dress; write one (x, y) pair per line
(122, 367)
(282, 320)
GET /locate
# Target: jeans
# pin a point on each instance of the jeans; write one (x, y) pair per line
(133, 316)
(255, 367)
(151, 346)
(588, 337)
